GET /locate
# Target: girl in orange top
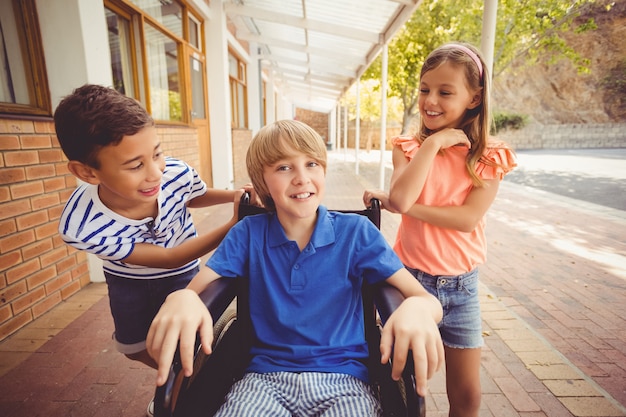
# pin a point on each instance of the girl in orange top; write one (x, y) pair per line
(444, 181)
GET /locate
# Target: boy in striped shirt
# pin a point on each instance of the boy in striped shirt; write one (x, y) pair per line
(132, 209)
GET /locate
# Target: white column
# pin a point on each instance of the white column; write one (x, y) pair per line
(270, 102)
(219, 98)
(488, 35)
(336, 140)
(83, 45)
(383, 117)
(332, 124)
(255, 96)
(357, 127)
(345, 130)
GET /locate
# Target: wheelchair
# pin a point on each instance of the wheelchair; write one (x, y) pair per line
(226, 298)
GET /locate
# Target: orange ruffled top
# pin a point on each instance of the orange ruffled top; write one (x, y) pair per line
(436, 250)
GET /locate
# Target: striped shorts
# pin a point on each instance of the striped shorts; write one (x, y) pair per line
(290, 394)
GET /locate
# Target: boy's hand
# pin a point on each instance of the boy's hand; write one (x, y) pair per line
(411, 327)
(237, 201)
(180, 317)
(254, 197)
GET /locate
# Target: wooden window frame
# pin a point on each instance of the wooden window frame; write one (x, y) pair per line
(139, 19)
(235, 84)
(32, 45)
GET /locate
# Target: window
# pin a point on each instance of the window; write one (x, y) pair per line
(264, 102)
(238, 92)
(168, 13)
(163, 75)
(153, 70)
(121, 46)
(194, 32)
(23, 82)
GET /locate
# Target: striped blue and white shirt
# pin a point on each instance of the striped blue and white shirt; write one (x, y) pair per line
(87, 224)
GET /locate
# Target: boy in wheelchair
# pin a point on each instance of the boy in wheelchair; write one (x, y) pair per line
(305, 267)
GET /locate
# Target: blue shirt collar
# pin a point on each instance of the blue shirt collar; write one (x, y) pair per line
(324, 233)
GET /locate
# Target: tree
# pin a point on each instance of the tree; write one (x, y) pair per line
(527, 28)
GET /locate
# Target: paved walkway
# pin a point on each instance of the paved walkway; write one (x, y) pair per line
(553, 296)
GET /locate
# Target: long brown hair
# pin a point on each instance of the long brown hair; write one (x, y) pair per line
(476, 121)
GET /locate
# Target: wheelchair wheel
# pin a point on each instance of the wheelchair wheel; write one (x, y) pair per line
(219, 329)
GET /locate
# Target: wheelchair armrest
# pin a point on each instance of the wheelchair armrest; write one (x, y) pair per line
(216, 297)
(387, 299)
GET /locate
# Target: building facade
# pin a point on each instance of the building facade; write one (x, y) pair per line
(180, 58)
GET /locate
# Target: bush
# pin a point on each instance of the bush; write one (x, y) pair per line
(503, 121)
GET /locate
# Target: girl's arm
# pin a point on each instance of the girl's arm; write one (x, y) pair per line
(182, 315)
(408, 178)
(413, 326)
(463, 218)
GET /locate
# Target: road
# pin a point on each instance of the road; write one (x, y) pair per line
(596, 176)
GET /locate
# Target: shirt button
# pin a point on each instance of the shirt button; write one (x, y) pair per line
(296, 266)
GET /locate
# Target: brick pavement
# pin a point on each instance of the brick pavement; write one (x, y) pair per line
(552, 296)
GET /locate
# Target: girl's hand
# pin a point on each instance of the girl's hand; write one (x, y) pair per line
(380, 195)
(448, 137)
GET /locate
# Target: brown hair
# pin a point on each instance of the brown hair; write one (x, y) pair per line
(93, 117)
(476, 122)
(277, 141)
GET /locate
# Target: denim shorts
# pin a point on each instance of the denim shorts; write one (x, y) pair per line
(135, 302)
(461, 326)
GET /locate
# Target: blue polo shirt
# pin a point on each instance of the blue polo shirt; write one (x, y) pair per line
(306, 305)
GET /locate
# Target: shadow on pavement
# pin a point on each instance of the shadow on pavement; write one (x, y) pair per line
(608, 192)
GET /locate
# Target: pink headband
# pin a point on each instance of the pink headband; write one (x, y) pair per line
(470, 53)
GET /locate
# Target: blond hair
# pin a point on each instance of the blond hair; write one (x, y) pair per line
(276, 141)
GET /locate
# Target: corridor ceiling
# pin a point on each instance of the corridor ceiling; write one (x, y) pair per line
(316, 49)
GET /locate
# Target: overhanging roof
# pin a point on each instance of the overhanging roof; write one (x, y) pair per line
(316, 49)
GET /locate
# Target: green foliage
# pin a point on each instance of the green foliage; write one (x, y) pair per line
(531, 29)
(504, 120)
(370, 102)
(175, 106)
(535, 28)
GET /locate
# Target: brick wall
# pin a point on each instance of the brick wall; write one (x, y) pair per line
(37, 269)
(180, 142)
(318, 121)
(370, 137)
(241, 141)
